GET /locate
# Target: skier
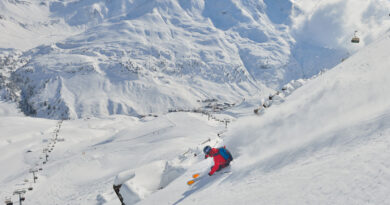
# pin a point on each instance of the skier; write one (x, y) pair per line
(222, 158)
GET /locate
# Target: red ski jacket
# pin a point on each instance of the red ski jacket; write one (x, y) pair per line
(219, 161)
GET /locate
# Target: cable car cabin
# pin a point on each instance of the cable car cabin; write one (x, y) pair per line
(355, 40)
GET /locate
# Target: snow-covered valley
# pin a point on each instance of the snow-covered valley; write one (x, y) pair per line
(126, 94)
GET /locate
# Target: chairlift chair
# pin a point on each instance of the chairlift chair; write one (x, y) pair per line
(355, 39)
(8, 201)
(21, 193)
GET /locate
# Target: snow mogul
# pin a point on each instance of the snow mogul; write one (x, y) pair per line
(221, 156)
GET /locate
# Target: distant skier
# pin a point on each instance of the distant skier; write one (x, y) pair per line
(222, 158)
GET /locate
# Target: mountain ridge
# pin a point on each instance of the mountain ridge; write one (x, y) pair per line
(251, 46)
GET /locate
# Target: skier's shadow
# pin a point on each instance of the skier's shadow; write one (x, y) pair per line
(196, 187)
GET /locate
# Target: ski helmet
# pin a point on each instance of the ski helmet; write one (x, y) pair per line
(206, 149)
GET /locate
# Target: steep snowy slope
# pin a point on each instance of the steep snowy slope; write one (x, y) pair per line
(327, 144)
(27, 24)
(136, 57)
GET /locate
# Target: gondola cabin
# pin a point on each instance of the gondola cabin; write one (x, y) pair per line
(355, 39)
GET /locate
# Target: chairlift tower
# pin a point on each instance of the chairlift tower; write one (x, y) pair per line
(226, 122)
(45, 150)
(33, 171)
(21, 193)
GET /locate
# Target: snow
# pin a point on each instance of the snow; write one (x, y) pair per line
(100, 76)
(9, 109)
(123, 49)
(27, 24)
(326, 144)
(84, 166)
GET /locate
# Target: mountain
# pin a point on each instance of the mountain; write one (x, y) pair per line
(137, 57)
(125, 95)
(325, 142)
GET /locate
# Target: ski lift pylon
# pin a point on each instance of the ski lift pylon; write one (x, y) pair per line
(355, 39)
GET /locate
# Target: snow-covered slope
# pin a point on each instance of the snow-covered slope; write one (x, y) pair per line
(326, 144)
(136, 57)
(86, 155)
(27, 24)
(9, 109)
